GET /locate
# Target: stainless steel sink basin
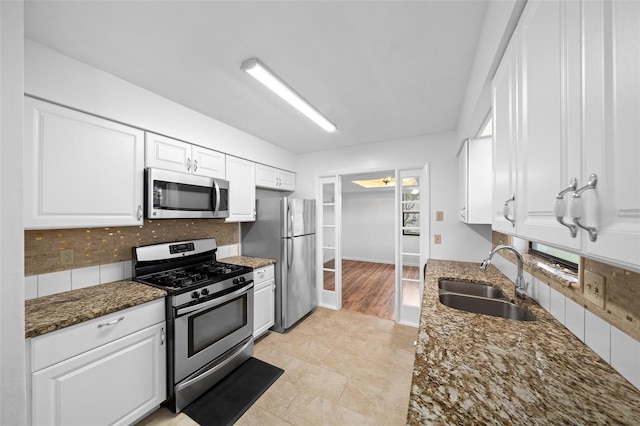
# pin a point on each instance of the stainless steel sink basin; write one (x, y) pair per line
(469, 288)
(486, 306)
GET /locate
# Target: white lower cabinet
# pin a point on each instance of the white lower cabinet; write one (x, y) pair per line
(117, 382)
(264, 299)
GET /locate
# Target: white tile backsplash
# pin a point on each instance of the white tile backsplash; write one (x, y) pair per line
(597, 335)
(128, 269)
(233, 250)
(544, 295)
(574, 316)
(54, 282)
(111, 272)
(85, 277)
(625, 356)
(557, 305)
(223, 251)
(30, 287)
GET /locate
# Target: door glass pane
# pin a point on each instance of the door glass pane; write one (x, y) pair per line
(410, 293)
(410, 239)
(329, 280)
(328, 258)
(329, 237)
(328, 214)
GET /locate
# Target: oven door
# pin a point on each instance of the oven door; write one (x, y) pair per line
(205, 331)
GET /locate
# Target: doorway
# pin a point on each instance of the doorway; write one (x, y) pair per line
(371, 242)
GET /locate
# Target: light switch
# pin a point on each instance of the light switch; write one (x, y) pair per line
(439, 216)
(437, 239)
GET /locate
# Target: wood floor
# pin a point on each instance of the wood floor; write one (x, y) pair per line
(369, 288)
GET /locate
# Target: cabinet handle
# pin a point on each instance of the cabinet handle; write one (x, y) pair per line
(260, 273)
(189, 164)
(462, 212)
(139, 215)
(560, 207)
(162, 336)
(114, 322)
(195, 165)
(505, 209)
(576, 207)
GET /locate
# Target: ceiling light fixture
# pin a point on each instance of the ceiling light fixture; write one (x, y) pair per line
(264, 75)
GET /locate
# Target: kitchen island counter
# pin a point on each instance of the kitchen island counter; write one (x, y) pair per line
(50, 313)
(477, 369)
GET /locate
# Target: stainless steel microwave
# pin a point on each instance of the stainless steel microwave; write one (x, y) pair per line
(175, 195)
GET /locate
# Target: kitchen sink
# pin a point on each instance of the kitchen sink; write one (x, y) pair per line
(486, 306)
(470, 288)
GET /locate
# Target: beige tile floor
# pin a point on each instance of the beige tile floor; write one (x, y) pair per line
(341, 368)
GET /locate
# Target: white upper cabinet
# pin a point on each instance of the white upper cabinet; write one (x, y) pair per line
(548, 52)
(474, 181)
(572, 94)
(611, 130)
(272, 178)
(80, 170)
(171, 154)
(241, 175)
(504, 101)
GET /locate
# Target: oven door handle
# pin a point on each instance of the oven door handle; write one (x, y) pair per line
(230, 358)
(214, 302)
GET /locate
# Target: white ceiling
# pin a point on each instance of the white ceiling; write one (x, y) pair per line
(380, 70)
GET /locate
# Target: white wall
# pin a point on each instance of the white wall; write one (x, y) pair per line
(459, 241)
(53, 76)
(499, 22)
(368, 225)
(12, 344)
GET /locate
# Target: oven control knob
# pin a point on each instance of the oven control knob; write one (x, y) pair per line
(195, 295)
(236, 281)
(242, 279)
(204, 292)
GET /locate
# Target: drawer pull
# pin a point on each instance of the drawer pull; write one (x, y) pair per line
(106, 324)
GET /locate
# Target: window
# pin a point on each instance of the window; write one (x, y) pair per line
(555, 255)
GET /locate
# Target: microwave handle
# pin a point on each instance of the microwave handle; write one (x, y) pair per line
(216, 188)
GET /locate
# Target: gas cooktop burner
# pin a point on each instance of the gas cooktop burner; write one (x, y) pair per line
(194, 275)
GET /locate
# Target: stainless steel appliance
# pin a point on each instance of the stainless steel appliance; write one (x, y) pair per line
(176, 195)
(284, 230)
(209, 313)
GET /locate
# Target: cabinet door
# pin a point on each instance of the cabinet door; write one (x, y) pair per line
(266, 177)
(463, 157)
(241, 175)
(263, 307)
(479, 181)
(166, 153)
(287, 181)
(504, 109)
(117, 383)
(80, 170)
(207, 162)
(611, 106)
(549, 137)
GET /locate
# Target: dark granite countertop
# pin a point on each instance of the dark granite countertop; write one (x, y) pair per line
(252, 262)
(476, 369)
(49, 313)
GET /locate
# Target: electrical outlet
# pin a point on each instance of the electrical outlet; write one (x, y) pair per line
(439, 216)
(67, 257)
(437, 239)
(594, 288)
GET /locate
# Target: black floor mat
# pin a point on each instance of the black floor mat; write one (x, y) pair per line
(224, 403)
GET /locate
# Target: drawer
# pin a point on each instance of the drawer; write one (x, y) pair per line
(262, 274)
(65, 343)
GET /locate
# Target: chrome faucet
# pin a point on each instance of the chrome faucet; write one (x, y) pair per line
(520, 284)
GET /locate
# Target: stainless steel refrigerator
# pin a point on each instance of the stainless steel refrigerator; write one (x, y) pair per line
(284, 230)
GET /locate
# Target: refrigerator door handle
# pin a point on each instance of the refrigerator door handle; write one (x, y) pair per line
(289, 252)
(289, 220)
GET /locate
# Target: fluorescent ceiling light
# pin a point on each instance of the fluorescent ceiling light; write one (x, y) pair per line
(384, 182)
(264, 75)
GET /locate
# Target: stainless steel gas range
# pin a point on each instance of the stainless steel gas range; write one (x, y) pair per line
(209, 313)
